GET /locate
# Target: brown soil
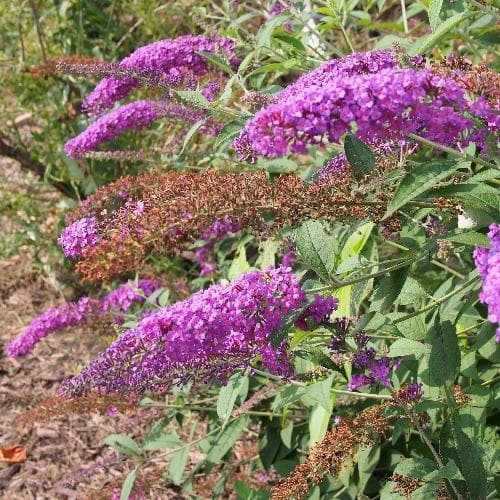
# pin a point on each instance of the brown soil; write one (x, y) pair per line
(59, 451)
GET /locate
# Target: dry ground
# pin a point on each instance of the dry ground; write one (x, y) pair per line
(63, 455)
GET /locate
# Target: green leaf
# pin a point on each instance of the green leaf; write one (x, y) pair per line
(287, 396)
(317, 248)
(427, 42)
(471, 238)
(412, 293)
(425, 492)
(433, 11)
(164, 297)
(245, 64)
(225, 440)
(484, 176)
(419, 180)
(218, 61)
(356, 241)
(318, 423)
(229, 132)
(388, 290)
(319, 393)
(456, 445)
(487, 202)
(486, 345)
(227, 396)
(122, 444)
(407, 347)
(351, 264)
(158, 439)
(268, 250)
(400, 426)
(192, 99)
(290, 40)
(413, 328)
(368, 459)
(178, 461)
(191, 133)
(449, 471)
(226, 94)
(128, 484)
(359, 155)
(317, 356)
(264, 35)
(280, 166)
(245, 492)
(444, 357)
(239, 265)
(415, 467)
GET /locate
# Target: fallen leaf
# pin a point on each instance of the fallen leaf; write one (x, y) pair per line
(13, 455)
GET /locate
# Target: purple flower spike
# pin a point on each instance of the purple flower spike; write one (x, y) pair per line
(488, 265)
(208, 336)
(170, 62)
(79, 313)
(385, 102)
(136, 116)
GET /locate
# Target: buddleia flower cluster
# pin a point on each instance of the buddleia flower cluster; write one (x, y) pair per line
(166, 213)
(80, 312)
(385, 102)
(488, 264)
(370, 367)
(132, 116)
(164, 64)
(170, 61)
(207, 336)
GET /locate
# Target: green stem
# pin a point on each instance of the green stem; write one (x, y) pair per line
(452, 152)
(213, 410)
(447, 268)
(403, 13)
(383, 397)
(438, 301)
(491, 380)
(335, 391)
(396, 245)
(341, 284)
(38, 30)
(435, 454)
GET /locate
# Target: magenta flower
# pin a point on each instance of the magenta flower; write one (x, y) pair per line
(77, 236)
(79, 313)
(133, 116)
(386, 103)
(488, 265)
(210, 335)
(170, 62)
(136, 116)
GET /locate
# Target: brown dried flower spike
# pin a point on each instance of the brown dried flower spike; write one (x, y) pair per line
(164, 213)
(332, 452)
